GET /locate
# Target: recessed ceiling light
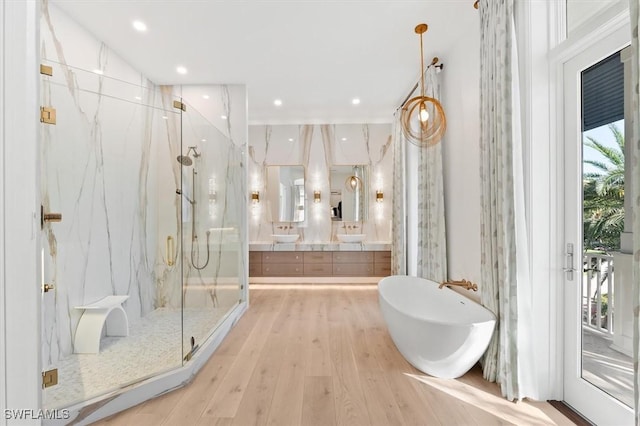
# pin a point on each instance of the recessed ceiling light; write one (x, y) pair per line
(140, 26)
(290, 139)
(203, 140)
(165, 117)
(181, 70)
(99, 72)
(355, 101)
(205, 96)
(344, 139)
(224, 117)
(138, 98)
(277, 102)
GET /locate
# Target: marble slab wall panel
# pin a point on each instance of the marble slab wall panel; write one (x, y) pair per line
(224, 106)
(96, 171)
(211, 211)
(317, 148)
(110, 167)
(168, 262)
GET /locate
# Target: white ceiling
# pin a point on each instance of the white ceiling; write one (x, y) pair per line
(314, 55)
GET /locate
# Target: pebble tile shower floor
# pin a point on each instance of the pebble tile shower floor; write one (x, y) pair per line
(153, 346)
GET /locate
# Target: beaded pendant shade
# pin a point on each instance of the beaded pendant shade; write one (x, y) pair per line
(422, 118)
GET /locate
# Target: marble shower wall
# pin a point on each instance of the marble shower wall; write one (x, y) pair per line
(213, 201)
(97, 172)
(109, 166)
(317, 148)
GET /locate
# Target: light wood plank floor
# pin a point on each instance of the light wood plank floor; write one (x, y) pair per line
(321, 355)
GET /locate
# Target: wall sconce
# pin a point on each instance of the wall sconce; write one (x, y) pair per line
(255, 197)
(316, 196)
(379, 196)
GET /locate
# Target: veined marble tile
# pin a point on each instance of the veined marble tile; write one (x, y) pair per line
(317, 148)
(110, 167)
(367, 246)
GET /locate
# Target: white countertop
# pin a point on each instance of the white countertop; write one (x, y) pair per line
(333, 246)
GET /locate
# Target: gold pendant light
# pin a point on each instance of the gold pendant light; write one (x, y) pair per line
(353, 183)
(423, 120)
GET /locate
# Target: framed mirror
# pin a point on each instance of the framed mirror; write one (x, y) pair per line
(349, 189)
(285, 193)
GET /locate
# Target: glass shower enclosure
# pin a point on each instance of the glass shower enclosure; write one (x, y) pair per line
(141, 251)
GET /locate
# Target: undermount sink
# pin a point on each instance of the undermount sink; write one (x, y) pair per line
(285, 238)
(351, 238)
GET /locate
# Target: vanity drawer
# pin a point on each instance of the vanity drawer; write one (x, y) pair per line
(318, 257)
(382, 269)
(353, 257)
(318, 269)
(281, 269)
(255, 257)
(382, 256)
(281, 257)
(255, 269)
(353, 269)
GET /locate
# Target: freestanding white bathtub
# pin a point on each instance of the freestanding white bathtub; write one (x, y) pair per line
(439, 331)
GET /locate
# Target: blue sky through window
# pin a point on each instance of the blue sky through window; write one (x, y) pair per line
(603, 135)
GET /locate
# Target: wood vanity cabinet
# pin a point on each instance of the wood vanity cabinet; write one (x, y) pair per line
(353, 263)
(255, 263)
(382, 263)
(319, 263)
(282, 263)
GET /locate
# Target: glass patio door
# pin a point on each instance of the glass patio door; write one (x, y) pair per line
(598, 373)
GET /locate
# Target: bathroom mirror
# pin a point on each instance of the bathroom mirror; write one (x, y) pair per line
(349, 189)
(285, 193)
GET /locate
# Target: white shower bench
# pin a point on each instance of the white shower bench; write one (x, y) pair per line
(108, 309)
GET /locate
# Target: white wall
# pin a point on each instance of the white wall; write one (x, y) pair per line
(20, 279)
(461, 156)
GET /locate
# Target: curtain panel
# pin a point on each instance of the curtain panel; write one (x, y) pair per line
(432, 241)
(505, 284)
(399, 211)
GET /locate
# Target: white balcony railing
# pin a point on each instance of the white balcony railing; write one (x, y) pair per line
(597, 292)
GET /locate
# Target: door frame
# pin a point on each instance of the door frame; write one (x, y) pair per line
(20, 270)
(586, 398)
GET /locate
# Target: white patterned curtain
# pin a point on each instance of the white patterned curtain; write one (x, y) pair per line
(505, 286)
(425, 254)
(399, 213)
(635, 161)
(432, 242)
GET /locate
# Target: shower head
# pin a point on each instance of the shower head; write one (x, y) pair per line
(196, 154)
(185, 160)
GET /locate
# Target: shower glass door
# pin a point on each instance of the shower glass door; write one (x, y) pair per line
(211, 174)
(108, 167)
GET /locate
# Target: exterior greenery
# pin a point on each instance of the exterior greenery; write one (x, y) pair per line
(603, 192)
